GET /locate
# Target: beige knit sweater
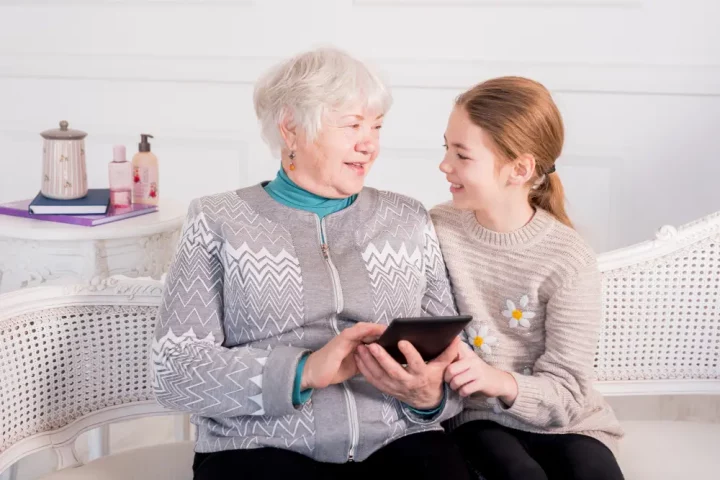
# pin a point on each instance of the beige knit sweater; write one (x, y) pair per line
(536, 301)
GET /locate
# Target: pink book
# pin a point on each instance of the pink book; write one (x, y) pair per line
(20, 209)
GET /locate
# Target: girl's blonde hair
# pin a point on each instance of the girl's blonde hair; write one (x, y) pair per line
(521, 117)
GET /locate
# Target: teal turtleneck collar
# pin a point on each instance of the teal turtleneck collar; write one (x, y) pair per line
(285, 191)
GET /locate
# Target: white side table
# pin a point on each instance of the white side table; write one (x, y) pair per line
(35, 253)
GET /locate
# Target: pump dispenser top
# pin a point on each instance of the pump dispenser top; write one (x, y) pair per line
(144, 145)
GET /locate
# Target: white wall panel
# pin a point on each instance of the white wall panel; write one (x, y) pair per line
(638, 83)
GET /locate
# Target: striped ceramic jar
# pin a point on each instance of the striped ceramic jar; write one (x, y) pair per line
(64, 169)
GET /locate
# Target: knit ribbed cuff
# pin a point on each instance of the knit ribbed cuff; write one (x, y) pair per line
(279, 380)
(528, 398)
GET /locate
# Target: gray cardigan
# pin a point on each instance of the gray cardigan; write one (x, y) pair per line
(252, 288)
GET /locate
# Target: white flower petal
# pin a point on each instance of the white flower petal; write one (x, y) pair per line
(471, 334)
(507, 313)
(486, 349)
(524, 301)
(483, 331)
(524, 322)
(491, 340)
(512, 323)
(528, 314)
(510, 305)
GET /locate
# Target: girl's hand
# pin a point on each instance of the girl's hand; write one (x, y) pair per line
(470, 374)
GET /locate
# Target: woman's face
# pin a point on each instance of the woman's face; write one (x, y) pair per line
(336, 164)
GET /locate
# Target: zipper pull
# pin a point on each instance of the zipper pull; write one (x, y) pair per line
(325, 250)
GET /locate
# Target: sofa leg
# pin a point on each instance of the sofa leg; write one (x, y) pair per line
(182, 428)
(11, 473)
(99, 442)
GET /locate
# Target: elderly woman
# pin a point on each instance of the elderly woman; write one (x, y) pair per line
(274, 287)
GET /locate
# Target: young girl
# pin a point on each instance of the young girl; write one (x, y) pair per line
(533, 287)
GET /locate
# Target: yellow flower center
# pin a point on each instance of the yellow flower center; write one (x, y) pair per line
(517, 314)
(478, 342)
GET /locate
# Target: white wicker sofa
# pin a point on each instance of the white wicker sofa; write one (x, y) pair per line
(75, 358)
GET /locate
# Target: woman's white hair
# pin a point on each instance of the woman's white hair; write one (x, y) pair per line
(310, 84)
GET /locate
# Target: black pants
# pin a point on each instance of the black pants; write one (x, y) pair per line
(429, 455)
(499, 453)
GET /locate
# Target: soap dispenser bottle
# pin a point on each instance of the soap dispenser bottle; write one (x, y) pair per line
(146, 177)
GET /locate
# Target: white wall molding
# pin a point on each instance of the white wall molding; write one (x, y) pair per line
(134, 68)
(561, 77)
(637, 82)
(128, 3)
(226, 139)
(501, 3)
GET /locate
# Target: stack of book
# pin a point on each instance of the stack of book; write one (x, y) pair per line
(91, 210)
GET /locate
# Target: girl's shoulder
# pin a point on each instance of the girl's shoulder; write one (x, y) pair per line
(445, 216)
(567, 257)
(570, 245)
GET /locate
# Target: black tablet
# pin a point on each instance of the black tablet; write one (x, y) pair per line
(429, 335)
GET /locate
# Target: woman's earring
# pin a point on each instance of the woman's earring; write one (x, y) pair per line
(292, 157)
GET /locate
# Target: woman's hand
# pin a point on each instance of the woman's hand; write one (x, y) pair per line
(470, 374)
(420, 385)
(334, 363)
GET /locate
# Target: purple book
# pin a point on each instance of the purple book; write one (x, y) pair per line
(20, 209)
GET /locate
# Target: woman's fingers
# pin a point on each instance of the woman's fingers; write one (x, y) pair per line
(345, 343)
(371, 364)
(367, 373)
(361, 331)
(392, 368)
(413, 358)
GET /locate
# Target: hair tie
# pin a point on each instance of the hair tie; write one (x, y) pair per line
(551, 169)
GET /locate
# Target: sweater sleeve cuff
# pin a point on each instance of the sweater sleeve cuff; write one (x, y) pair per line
(279, 381)
(527, 402)
(431, 412)
(300, 396)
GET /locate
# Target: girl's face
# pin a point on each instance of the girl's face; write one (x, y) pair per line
(478, 178)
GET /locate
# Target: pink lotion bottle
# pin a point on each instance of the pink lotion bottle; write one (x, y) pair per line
(121, 181)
